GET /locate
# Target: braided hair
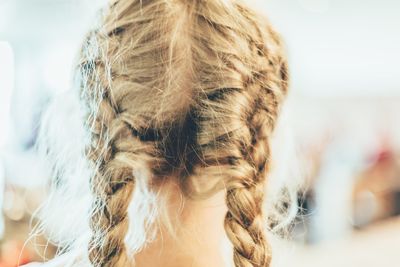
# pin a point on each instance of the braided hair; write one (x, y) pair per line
(185, 88)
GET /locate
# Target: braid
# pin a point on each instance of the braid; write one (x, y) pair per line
(244, 221)
(121, 156)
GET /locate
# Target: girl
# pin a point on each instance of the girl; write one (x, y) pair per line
(179, 99)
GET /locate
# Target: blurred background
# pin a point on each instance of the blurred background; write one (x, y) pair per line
(343, 113)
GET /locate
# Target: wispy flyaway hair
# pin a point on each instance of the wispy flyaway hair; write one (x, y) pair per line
(166, 88)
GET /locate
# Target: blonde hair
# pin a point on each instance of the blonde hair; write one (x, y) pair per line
(176, 88)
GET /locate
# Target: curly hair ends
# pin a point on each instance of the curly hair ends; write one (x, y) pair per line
(187, 89)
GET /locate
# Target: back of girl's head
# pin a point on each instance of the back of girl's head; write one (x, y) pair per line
(185, 90)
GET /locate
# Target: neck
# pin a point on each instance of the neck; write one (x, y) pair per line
(198, 237)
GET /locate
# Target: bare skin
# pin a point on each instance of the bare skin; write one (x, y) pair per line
(200, 236)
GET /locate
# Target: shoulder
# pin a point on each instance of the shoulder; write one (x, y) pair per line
(51, 263)
(34, 264)
(37, 264)
(59, 261)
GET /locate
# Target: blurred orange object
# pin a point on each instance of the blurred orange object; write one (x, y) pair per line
(13, 254)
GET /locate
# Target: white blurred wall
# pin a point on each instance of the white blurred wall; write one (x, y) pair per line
(340, 47)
